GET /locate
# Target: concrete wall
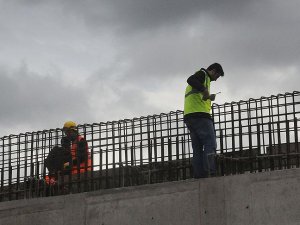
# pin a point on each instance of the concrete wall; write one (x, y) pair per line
(265, 198)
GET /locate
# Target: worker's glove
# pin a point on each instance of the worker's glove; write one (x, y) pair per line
(67, 166)
(65, 143)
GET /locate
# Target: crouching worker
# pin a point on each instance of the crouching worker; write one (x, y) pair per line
(75, 143)
(54, 162)
(72, 157)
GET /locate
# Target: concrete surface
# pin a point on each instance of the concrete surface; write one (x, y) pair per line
(249, 199)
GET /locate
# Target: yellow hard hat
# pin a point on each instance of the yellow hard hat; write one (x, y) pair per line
(70, 125)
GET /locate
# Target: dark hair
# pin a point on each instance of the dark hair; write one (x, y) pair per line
(217, 67)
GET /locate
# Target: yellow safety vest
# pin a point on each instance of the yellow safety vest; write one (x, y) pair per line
(193, 101)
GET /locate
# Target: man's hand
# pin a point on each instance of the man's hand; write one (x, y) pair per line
(207, 96)
(212, 97)
(66, 165)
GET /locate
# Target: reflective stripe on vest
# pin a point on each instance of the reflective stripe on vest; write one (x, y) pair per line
(83, 164)
(193, 101)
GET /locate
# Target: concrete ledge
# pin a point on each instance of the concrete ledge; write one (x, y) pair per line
(262, 198)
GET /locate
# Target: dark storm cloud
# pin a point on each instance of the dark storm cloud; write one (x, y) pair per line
(127, 16)
(154, 35)
(256, 42)
(252, 40)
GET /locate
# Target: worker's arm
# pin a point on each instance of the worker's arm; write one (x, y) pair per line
(197, 81)
(81, 152)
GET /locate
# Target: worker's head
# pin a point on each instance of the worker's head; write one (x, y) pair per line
(215, 71)
(70, 130)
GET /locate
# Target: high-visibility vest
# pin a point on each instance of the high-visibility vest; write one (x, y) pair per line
(82, 167)
(193, 101)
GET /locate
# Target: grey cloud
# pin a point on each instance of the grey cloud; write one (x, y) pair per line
(260, 37)
(115, 97)
(129, 16)
(38, 101)
(138, 48)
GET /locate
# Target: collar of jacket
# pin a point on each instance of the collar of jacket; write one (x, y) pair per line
(204, 70)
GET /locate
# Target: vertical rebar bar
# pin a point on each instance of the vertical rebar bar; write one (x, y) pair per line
(270, 153)
(2, 184)
(259, 148)
(297, 151)
(279, 150)
(288, 145)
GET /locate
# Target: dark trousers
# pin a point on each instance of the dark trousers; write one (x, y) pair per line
(204, 146)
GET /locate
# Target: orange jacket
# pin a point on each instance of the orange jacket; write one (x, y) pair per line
(82, 166)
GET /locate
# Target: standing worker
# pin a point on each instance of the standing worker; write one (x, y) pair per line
(78, 147)
(197, 107)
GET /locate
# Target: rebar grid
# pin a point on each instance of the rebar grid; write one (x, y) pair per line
(252, 136)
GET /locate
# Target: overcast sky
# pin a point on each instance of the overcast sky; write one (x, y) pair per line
(102, 60)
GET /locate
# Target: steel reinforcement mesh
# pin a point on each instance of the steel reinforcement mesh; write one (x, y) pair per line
(253, 136)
